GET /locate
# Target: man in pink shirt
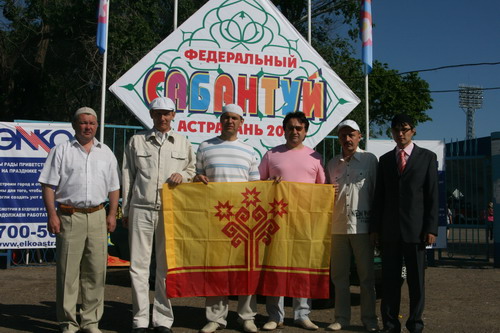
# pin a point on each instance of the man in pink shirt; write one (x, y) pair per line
(293, 162)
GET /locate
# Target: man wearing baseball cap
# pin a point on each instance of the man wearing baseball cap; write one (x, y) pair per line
(80, 174)
(152, 158)
(227, 159)
(353, 172)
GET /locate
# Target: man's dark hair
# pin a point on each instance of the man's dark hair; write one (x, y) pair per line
(300, 116)
(400, 119)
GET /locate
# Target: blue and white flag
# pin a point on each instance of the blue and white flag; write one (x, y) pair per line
(102, 24)
(366, 35)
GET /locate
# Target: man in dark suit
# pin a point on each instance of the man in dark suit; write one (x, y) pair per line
(404, 221)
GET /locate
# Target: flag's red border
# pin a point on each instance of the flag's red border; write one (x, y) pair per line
(248, 283)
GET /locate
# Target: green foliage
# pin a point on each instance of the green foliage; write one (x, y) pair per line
(50, 65)
(389, 92)
(50, 62)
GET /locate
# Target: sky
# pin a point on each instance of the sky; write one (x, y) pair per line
(413, 35)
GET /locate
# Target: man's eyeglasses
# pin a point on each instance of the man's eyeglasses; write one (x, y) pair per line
(297, 128)
(403, 130)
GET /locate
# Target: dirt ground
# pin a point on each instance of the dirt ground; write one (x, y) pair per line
(459, 299)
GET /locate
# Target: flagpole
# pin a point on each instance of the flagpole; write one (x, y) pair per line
(367, 105)
(366, 24)
(176, 8)
(309, 21)
(103, 86)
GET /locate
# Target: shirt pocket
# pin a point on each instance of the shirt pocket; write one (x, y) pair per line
(359, 178)
(179, 155)
(144, 160)
(337, 175)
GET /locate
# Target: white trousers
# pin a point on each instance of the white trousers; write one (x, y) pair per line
(216, 308)
(343, 247)
(276, 308)
(146, 226)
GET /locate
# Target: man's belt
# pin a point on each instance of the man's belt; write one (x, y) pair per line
(70, 210)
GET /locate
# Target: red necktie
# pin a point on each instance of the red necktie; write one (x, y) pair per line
(402, 161)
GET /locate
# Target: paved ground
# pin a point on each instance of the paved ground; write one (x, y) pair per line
(459, 299)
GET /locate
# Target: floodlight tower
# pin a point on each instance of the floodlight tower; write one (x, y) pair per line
(470, 99)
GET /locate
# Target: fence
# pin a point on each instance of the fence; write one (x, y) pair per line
(116, 137)
(469, 191)
(468, 184)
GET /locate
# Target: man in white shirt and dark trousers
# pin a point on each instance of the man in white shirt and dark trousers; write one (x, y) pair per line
(354, 174)
(227, 159)
(80, 175)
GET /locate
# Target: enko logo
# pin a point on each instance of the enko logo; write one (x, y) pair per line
(37, 139)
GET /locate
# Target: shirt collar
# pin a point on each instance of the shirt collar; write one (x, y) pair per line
(408, 149)
(355, 156)
(95, 143)
(154, 133)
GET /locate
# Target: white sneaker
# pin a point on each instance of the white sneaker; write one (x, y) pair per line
(336, 326)
(307, 324)
(211, 327)
(271, 325)
(248, 325)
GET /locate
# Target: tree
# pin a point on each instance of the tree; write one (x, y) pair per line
(50, 65)
(389, 93)
(50, 62)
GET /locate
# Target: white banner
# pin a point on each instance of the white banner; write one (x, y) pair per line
(23, 150)
(243, 52)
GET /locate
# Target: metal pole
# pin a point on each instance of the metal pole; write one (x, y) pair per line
(103, 86)
(309, 21)
(176, 9)
(367, 105)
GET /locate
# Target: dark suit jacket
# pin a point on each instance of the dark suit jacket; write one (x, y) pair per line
(405, 206)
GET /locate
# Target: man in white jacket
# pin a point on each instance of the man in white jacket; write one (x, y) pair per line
(152, 158)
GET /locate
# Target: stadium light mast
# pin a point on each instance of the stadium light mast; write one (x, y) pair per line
(470, 99)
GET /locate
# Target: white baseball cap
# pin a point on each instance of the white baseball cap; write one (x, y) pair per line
(233, 108)
(349, 123)
(162, 103)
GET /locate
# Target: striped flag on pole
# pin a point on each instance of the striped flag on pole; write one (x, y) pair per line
(102, 23)
(366, 34)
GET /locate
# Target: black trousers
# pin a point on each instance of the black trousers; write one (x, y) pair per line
(393, 254)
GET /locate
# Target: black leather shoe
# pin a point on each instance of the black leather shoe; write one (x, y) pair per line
(139, 330)
(391, 330)
(162, 329)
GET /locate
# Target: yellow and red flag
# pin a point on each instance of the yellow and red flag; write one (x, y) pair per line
(248, 238)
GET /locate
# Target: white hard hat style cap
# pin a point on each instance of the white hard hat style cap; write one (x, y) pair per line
(349, 123)
(233, 108)
(162, 103)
